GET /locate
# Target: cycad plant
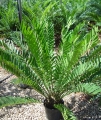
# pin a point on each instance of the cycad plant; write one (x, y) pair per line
(9, 22)
(61, 14)
(54, 74)
(91, 14)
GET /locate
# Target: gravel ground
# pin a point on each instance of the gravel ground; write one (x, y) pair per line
(78, 103)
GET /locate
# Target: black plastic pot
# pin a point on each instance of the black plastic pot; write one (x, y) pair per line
(53, 114)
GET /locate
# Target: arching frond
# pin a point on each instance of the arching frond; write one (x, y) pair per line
(11, 101)
(88, 88)
(67, 114)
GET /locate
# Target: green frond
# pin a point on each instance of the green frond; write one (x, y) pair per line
(88, 16)
(94, 53)
(19, 67)
(39, 88)
(8, 19)
(88, 88)
(17, 64)
(66, 113)
(72, 68)
(47, 10)
(71, 44)
(11, 101)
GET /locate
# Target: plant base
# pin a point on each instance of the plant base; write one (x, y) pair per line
(53, 114)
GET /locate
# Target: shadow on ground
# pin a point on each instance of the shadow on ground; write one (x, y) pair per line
(9, 89)
(85, 109)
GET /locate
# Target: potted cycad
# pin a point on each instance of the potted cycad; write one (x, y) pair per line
(54, 74)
